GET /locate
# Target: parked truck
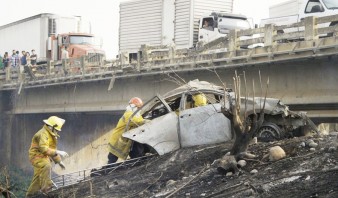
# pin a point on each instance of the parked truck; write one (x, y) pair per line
(47, 34)
(294, 11)
(219, 25)
(172, 23)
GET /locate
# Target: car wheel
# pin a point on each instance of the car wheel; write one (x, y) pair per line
(269, 132)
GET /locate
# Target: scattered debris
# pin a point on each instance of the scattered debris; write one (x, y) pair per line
(332, 149)
(300, 174)
(226, 164)
(254, 171)
(241, 163)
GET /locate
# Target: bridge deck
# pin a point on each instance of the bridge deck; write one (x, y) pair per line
(224, 53)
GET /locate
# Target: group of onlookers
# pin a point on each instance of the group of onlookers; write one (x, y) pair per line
(16, 60)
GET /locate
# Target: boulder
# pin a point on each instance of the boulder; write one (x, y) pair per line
(276, 153)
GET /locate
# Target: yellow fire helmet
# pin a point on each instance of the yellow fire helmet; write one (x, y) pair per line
(55, 122)
(199, 99)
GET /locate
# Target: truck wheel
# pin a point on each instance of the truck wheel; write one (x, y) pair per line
(269, 132)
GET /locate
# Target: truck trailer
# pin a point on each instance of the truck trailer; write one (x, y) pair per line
(286, 8)
(164, 22)
(47, 33)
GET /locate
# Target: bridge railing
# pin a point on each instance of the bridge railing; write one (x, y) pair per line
(67, 67)
(235, 43)
(239, 47)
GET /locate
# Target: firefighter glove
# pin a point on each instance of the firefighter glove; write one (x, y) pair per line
(62, 153)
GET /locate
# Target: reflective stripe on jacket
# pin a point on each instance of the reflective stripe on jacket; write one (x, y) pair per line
(118, 145)
(44, 146)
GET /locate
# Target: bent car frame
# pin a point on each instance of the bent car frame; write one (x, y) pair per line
(173, 122)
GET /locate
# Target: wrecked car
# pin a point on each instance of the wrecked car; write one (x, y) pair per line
(173, 122)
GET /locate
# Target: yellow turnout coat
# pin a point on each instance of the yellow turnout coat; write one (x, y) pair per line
(118, 145)
(41, 152)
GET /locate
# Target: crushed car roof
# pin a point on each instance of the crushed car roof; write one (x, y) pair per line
(193, 85)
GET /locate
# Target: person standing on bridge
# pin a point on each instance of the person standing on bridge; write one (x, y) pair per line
(42, 151)
(120, 147)
(33, 58)
(64, 53)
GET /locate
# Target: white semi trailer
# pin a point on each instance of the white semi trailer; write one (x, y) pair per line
(47, 33)
(164, 23)
(287, 8)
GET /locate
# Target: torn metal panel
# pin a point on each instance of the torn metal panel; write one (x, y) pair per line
(159, 133)
(204, 125)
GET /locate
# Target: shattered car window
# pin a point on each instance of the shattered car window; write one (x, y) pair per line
(211, 98)
(154, 108)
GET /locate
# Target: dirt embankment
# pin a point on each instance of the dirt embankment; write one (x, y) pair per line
(307, 171)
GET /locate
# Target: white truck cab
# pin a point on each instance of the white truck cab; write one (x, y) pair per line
(219, 24)
(318, 8)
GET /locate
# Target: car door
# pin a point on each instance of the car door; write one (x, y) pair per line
(203, 125)
(161, 131)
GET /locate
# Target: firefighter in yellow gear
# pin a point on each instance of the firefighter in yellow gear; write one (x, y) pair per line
(43, 150)
(120, 147)
(199, 100)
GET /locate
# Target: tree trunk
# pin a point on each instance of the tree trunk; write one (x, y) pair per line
(241, 143)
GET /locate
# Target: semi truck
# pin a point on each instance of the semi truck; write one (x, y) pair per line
(47, 34)
(177, 23)
(219, 25)
(294, 11)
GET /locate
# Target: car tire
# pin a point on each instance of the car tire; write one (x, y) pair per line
(269, 132)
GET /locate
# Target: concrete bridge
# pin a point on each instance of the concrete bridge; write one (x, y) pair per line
(303, 74)
(307, 84)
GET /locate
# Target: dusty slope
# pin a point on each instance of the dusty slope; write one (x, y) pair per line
(187, 173)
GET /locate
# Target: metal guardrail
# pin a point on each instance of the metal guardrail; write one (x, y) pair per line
(299, 40)
(87, 174)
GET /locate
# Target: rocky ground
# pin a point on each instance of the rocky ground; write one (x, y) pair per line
(310, 169)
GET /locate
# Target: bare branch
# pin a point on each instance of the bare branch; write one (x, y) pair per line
(246, 97)
(235, 87)
(253, 97)
(178, 76)
(239, 91)
(219, 78)
(266, 92)
(260, 81)
(261, 116)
